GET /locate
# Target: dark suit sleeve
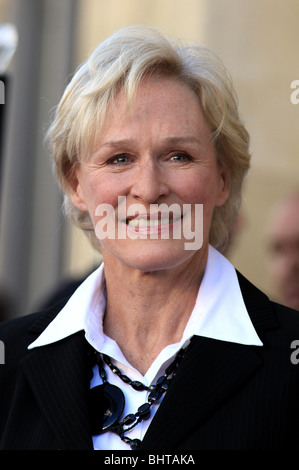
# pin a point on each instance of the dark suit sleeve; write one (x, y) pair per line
(15, 339)
(43, 391)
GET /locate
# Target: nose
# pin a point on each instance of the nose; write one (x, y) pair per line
(150, 183)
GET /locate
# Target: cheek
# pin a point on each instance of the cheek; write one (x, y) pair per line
(278, 267)
(103, 204)
(200, 190)
(98, 191)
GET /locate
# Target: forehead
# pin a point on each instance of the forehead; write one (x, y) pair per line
(164, 101)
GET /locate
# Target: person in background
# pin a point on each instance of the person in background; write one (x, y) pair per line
(283, 243)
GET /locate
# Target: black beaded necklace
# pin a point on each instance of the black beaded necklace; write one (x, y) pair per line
(112, 399)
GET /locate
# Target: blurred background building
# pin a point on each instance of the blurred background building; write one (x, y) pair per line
(256, 39)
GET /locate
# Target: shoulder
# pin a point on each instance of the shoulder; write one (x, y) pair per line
(16, 334)
(265, 314)
(287, 317)
(36, 321)
(11, 329)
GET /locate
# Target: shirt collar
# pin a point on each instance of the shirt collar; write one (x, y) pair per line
(219, 311)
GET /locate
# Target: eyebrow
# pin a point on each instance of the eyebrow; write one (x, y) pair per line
(170, 140)
(117, 143)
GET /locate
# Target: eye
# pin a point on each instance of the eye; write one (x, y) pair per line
(121, 159)
(181, 157)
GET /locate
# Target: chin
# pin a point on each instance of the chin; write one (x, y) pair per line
(153, 256)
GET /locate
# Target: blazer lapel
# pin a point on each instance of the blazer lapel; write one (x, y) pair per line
(58, 375)
(258, 306)
(210, 372)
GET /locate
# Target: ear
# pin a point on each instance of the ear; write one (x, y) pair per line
(223, 193)
(76, 191)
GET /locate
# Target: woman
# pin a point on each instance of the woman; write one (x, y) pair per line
(164, 346)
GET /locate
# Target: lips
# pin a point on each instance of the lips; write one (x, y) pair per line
(152, 221)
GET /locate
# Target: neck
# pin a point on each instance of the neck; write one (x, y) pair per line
(146, 311)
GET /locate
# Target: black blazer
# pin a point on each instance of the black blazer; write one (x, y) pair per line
(224, 395)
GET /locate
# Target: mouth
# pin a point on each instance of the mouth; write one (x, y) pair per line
(150, 222)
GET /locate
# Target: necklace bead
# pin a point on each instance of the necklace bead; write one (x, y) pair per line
(144, 411)
(138, 386)
(155, 395)
(135, 444)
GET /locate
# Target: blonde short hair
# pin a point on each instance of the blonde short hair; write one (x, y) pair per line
(119, 63)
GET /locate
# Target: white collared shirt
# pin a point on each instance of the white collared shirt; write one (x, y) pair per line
(219, 313)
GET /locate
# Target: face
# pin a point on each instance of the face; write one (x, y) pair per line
(284, 252)
(157, 154)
